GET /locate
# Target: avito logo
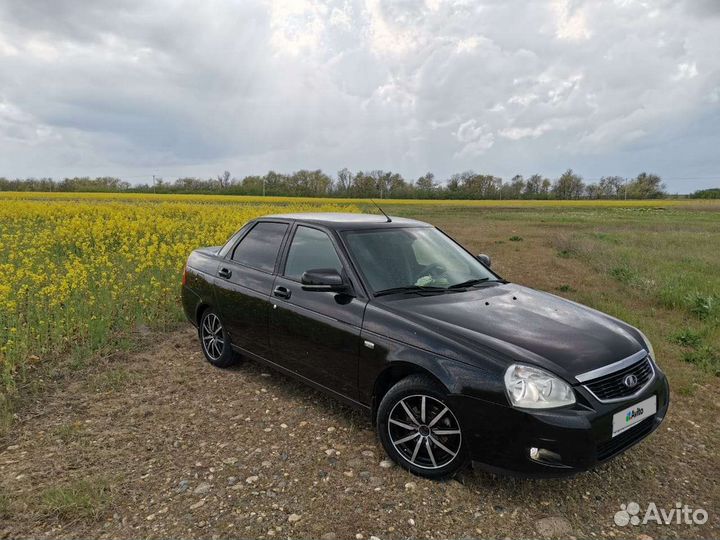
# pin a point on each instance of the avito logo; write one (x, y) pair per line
(634, 413)
(631, 514)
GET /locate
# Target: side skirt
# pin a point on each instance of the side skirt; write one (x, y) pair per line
(285, 371)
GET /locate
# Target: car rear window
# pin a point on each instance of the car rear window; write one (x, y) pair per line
(259, 249)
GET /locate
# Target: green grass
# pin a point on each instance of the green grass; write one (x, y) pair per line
(68, 433)
(705, 357)
(624, 274)
(113, 380)
(703, 305)
(5, 505)
(6, 412)
(566, 288)
(687, 338)
(81, 499)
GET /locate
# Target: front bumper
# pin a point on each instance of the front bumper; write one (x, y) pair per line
(577, 438)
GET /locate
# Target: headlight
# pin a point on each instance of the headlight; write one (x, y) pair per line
(535, 388)
(648, 345)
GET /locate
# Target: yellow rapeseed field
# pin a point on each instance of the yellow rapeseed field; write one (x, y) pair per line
(77, 270)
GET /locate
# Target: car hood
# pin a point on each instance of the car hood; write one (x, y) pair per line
(525, 325)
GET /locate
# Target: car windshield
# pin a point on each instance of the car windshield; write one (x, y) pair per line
(415, 259)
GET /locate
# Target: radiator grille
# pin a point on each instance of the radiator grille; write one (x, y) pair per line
(613, 386)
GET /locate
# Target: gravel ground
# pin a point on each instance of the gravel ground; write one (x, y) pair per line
(159, 443)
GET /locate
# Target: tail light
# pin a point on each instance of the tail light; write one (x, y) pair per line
(184, 278)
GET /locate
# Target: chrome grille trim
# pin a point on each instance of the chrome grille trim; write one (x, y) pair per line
(611, 368)
(634, 394)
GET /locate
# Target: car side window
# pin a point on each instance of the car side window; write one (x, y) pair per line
(259, 248)
(310, 248)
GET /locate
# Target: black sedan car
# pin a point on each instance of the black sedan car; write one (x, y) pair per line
(453, 363)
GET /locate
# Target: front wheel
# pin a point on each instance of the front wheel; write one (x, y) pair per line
(419, 430)
(215, 341)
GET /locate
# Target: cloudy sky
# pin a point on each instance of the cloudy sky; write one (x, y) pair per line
(139, 87)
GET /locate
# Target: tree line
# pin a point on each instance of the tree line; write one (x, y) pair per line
(369, 184)
(712, 193)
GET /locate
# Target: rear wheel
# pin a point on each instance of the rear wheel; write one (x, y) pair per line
(419, 430)
(215, 341)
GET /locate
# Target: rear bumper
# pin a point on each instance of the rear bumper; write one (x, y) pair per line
(574, 439)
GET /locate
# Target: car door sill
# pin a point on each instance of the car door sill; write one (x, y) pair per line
(341, 397)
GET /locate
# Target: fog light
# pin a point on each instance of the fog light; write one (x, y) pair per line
(545, 456)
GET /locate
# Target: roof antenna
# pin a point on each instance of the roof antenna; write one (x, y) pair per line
(383, 211)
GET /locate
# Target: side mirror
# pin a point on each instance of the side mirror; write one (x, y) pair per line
(485, 259)
(323, 279)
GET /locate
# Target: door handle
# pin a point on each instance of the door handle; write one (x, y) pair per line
(282, 292)
(224, 273)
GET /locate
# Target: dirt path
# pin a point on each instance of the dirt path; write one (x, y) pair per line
(161, 444)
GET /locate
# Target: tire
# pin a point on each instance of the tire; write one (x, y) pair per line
(215, 341)
(433, 446)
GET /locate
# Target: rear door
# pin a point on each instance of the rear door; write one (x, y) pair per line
(244, 283)
(316, 333)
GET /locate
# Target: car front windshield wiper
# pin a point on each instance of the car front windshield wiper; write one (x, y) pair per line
(469, 283)
(411, 289)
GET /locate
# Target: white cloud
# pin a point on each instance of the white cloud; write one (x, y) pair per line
(158, 86)
(570, 20)
(469, 131)
(7, 48)
(517, 133)
(477, 147)
(433, 5)
(42, 50)
(395, 94)
(297, 25)
(476, 138)
(341, 18)
(524, 99)
(468, 44)
(686, 70)
(386, 37)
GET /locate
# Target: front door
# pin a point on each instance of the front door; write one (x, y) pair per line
(316, 333)
(244, 284)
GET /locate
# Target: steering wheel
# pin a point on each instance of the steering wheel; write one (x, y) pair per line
(434, 270)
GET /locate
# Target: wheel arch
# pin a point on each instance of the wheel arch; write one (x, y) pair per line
(391, 375)
(199, 311)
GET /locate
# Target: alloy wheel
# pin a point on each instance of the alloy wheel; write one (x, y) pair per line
(424, 431)
(212, 336)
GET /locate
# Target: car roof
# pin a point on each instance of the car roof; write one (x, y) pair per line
(347, 221)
